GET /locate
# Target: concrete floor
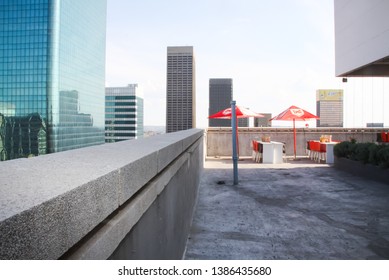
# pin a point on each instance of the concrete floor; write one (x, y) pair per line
(295, 210)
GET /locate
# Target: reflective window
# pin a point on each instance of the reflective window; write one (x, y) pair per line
(52, 67)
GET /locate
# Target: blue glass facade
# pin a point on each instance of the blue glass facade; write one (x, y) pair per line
(52, 67)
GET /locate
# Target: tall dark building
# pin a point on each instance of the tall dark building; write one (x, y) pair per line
(220, 96)
(52, 76)
(180, 89)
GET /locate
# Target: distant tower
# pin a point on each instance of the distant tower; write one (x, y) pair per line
(243, 122)
(123, 113)
(180, 89)
(329, 107)
(263, 122)
(220, 96)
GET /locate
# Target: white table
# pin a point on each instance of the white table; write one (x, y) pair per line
(329, 154)
(330, 151)
(272, 152)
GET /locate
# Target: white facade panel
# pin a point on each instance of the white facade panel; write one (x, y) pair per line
(361, 37)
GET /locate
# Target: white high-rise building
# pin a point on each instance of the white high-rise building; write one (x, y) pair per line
(123, 113)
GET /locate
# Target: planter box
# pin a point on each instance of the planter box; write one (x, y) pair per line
(363, 170)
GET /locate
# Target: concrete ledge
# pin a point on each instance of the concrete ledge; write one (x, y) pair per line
(103, 243)
(162, 231)
(49, 203)
(367, 171)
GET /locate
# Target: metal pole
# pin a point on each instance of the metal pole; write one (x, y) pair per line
(294, 137)
(234, 146)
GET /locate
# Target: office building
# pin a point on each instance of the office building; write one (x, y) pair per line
(220, 97)
(123, 113)
(361, 38)
(52, 72)
(329, 107)
(374, 124)
(180, 89)
(263, 122)
(243, 122)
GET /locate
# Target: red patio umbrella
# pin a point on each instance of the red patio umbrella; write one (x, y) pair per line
(241, 112)
(294, 113)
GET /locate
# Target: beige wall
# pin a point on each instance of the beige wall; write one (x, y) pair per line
(218, 140)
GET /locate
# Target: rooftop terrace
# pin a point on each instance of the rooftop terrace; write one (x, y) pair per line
(137, 199)
(296, 210)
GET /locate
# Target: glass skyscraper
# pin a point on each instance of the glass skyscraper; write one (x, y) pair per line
(123, 113)
(52, 75)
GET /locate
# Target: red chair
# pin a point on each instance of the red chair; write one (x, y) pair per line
(315, 150)
(310, 149)
(255, 149)
(307, 149)
(384, 136)
(323, 152)
(260, 152)
(257, 153)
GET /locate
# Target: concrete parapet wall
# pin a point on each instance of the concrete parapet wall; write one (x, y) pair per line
(81, 204)
(162, 232)
(218, 140)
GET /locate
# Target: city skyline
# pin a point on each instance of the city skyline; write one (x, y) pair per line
(277, 57)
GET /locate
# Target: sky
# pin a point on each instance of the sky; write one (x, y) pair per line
(277, 52)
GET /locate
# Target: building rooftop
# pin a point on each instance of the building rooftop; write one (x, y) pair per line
(295, 210)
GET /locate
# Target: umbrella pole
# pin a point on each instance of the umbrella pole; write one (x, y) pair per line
(294, 138)
(234, 140)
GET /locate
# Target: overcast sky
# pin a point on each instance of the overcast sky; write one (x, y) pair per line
(277, 52)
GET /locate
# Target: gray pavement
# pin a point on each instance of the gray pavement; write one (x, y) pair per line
(296, 210)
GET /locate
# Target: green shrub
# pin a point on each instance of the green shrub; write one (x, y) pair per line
(383, 157)
(344, 149)
(373, 154)
(364, 152)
